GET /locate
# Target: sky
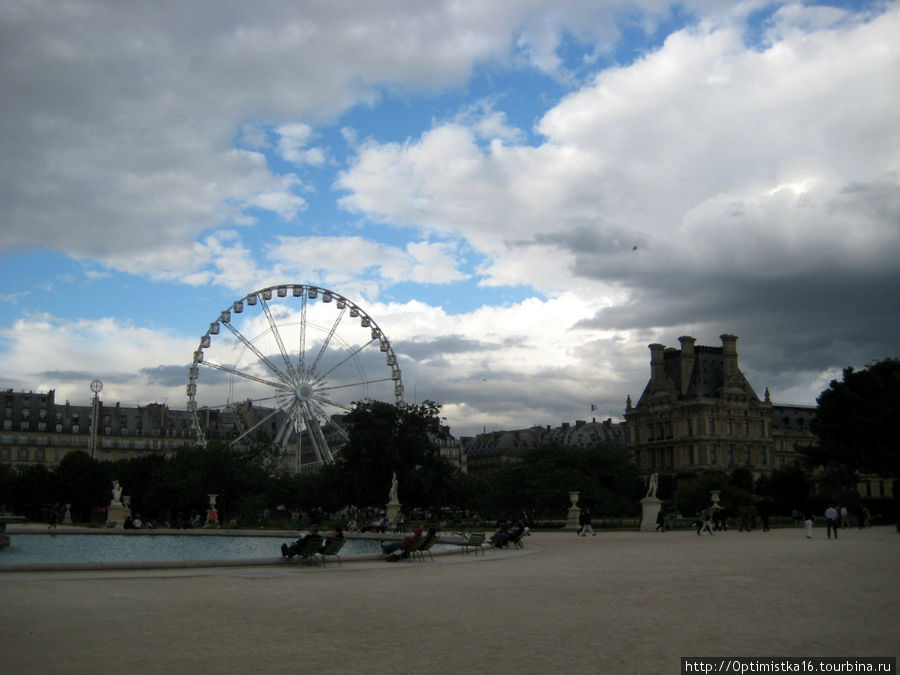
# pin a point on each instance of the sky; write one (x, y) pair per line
(522, 194)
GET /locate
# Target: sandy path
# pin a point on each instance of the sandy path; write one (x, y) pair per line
(621, 602)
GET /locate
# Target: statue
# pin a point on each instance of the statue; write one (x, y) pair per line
(117, 492)
(392, 495)
(654, 483)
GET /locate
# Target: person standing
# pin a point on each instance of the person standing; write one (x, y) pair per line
(809, 523)
(584, 520)
(764, 516)
(745, 520)
(705, 522)
(831, 520)
(660, 521)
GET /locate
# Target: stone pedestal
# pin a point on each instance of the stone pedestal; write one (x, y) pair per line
(212, 516)
(391, 509)
(67, 519)
(650, 507)
(116, 514)
(574, 512)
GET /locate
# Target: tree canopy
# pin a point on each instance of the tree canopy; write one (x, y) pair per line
(855, 421)
(387, 438)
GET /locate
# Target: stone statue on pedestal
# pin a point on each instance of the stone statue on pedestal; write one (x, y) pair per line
(392, 495)
(392, 508)
(118, 510)
(650, 505)
(654, 484)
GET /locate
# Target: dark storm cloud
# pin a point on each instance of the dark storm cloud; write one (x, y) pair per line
(444, 345)
(172, 376)
(66, 376)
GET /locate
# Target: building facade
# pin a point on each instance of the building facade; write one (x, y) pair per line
(699, 413)
(492, 450)
(38, 430)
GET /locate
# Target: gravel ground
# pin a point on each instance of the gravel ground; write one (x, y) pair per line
(620, 602)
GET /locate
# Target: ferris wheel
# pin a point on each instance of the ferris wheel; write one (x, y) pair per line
(289, 363)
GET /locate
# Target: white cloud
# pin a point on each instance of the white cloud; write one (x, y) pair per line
(705, 125)
(112, 350)
(338, 260)
(293, 140)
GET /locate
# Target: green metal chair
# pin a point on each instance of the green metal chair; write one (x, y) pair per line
(332, 548)
(475, 542)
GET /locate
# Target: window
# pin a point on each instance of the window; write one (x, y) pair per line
(23, 455)
(728, 427)
(747, 455)
(691, 455)
(712, 454)
(730, 455)
(4, 454)
(39, 455)
(746, 427)
(690, 428)
(764, 456)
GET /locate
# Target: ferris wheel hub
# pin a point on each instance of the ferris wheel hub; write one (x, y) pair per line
(304, 392)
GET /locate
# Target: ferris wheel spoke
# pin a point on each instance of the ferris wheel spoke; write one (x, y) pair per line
(340, 429)
(262, 357)
(316, 437)
(284, 429)
(357, 384)
(324, 400)
(269, 383)
(327, 339)
(277, 334)
(352, 355)
(256, 426)
(301, 359)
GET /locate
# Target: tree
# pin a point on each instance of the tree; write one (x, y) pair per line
(385, 438)
(82, 482)
(787, 488)
(34, 491)
(605, 476)
(855, 422)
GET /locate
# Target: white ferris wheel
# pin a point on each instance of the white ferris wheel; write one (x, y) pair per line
(281, 365)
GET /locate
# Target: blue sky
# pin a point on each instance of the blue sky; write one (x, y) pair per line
(523, 195)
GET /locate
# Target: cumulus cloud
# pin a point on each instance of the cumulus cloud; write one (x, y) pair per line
(721, 182)
(108, 349)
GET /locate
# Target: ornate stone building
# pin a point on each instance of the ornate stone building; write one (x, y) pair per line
(698, 412)
(494, 449)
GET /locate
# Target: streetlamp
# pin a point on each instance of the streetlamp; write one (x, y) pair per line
(96, 387)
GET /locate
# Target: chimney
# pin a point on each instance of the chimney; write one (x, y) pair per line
(729, 355)
(687, 361)
(657, 365)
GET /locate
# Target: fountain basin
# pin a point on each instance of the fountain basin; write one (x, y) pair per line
(135, 550)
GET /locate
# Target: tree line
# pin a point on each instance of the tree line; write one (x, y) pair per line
(853, 422)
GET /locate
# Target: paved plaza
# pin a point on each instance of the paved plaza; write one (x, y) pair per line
(620, 602)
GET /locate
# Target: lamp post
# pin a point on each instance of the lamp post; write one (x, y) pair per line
(96, 387)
